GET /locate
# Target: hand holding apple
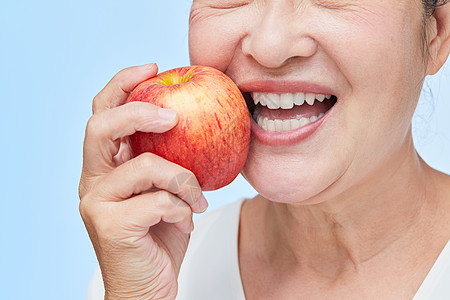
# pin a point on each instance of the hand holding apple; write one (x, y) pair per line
(213, 132)
(140, 236)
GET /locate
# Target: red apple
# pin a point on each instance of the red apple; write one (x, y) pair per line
(213, 132)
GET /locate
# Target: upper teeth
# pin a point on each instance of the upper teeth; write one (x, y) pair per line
(287, 100)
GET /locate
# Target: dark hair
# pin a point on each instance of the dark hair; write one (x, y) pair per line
(429, 9)
(430, 6)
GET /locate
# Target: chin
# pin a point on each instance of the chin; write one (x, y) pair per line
(277, 183)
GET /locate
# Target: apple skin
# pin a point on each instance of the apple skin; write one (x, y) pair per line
(212, 136)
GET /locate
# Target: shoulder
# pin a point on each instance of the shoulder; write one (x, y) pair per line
(210, 267)
(435, 285)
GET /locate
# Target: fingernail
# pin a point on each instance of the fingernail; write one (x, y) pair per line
(203, 203)
(167, 114)
(147, 66)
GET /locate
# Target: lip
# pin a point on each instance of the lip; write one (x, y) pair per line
(287, 137)
(284, 86)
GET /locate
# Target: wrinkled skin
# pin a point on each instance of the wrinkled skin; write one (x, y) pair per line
(374, 197)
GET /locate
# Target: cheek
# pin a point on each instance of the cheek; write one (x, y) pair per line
(384, 68)
(213, 38)
(383, 53)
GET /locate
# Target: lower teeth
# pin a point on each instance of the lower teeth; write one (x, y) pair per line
(283, 125)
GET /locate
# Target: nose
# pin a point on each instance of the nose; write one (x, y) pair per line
(278, 35)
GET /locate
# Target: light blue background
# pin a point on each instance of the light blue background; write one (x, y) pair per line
(54, 58)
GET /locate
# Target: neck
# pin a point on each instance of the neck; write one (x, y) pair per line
(356, 226)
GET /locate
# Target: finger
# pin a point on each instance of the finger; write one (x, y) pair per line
(146, 210)
(148, 171)
(105, 130)
(136, 214)
(118, 88)
(125, 152)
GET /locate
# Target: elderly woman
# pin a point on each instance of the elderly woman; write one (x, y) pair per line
(346, 207)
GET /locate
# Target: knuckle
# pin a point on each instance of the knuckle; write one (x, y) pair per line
(120, 77)
(140, 112)
(145, 160)
(88, 182)
(85, 208)
(133, 109)
(101, 221)
(104, 219)
(123, 73)
(94, 126)
(162, 200)
(95, 103)
(82, 208)
(165, 201)
(90, 207)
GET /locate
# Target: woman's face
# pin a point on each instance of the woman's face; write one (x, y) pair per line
(366, 54)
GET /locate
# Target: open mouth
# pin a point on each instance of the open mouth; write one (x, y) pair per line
(287, 111)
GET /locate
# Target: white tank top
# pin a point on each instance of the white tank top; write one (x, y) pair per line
(210, 269)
